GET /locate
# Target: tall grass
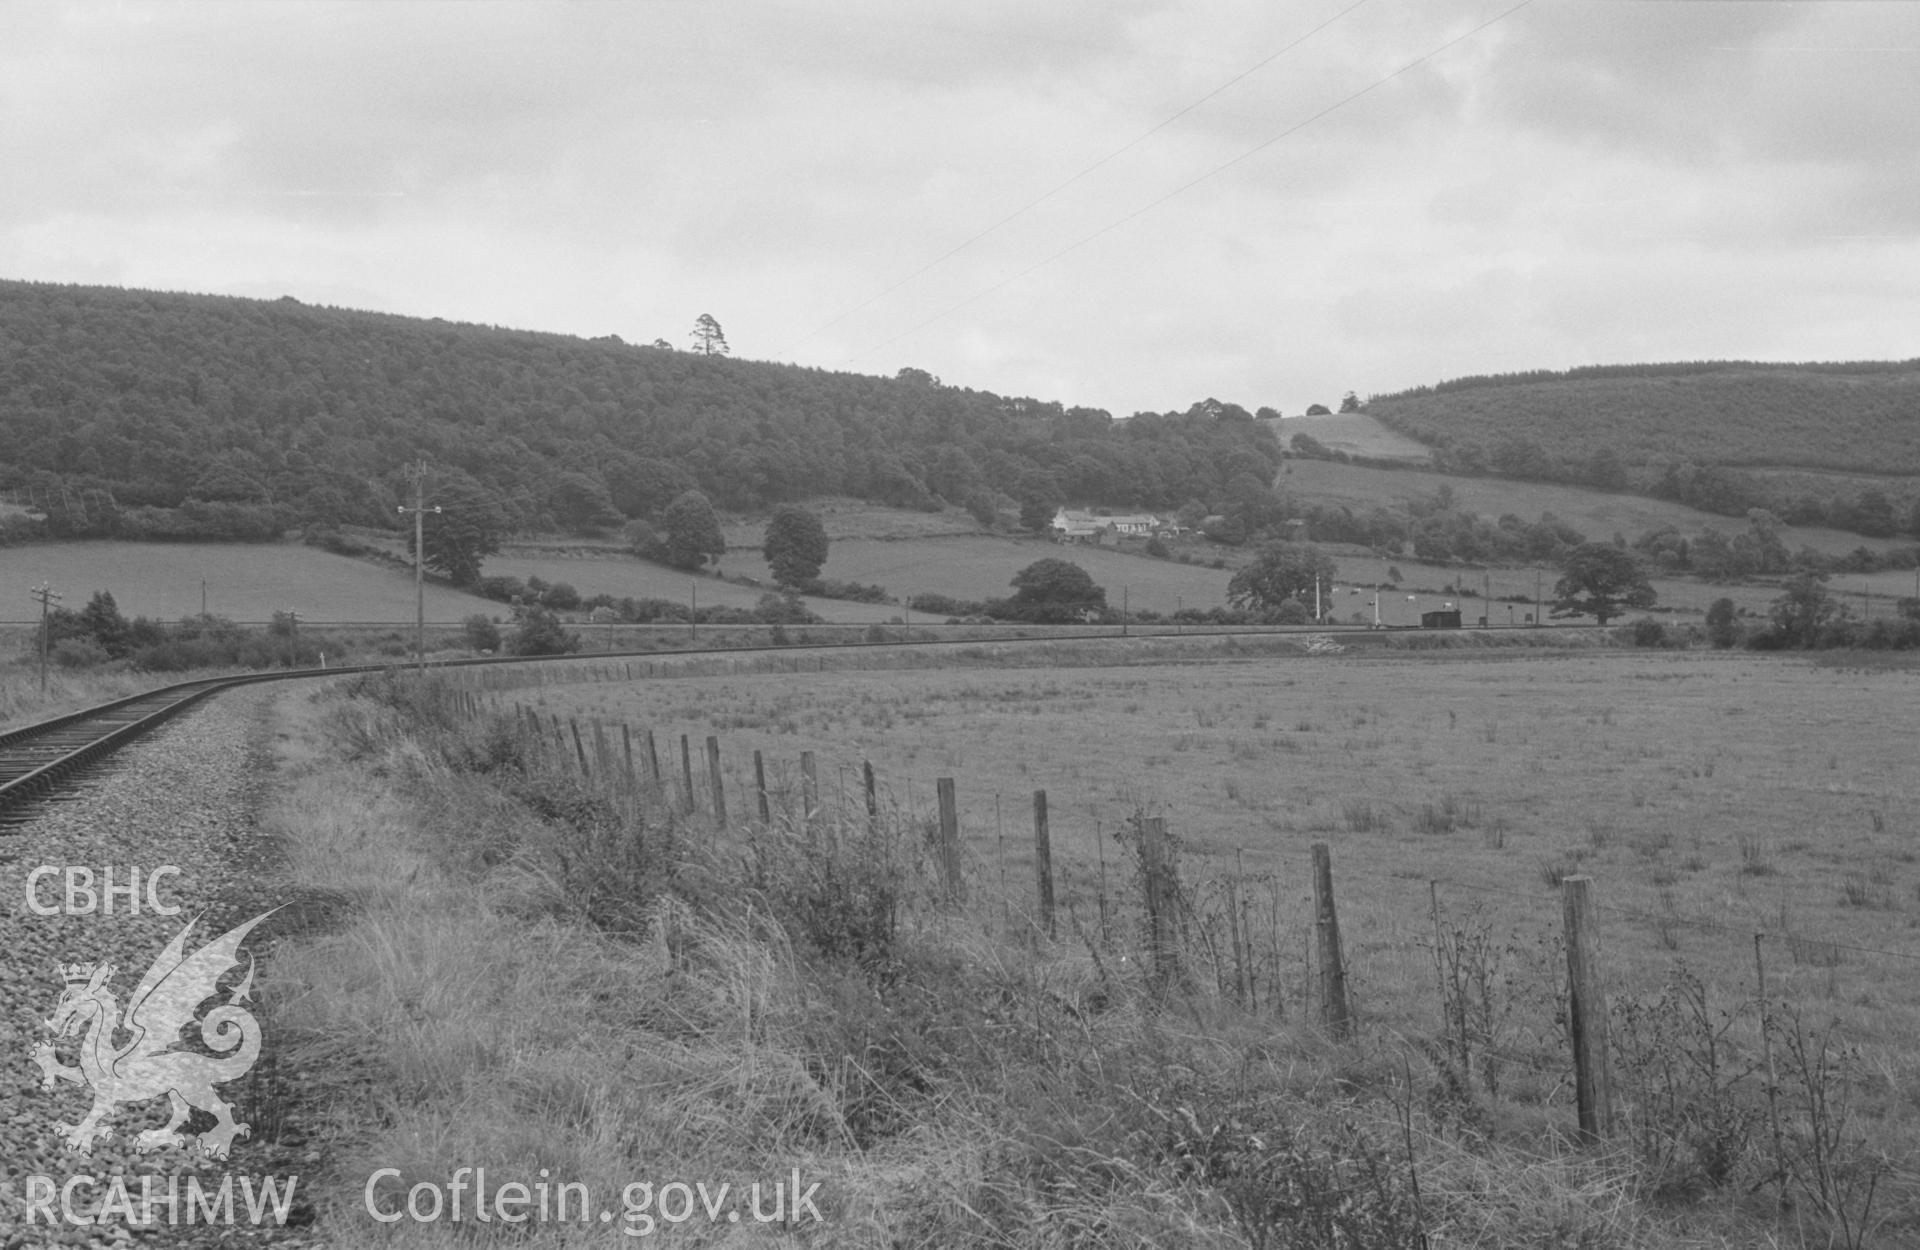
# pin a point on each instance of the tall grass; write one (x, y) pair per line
(530, 969)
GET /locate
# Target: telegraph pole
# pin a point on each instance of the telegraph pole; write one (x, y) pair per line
(47, 597)
(418, 472)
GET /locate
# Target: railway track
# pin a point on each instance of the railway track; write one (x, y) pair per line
(38, 761)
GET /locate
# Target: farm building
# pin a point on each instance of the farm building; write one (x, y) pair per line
(1446, 618)
(1090, 526)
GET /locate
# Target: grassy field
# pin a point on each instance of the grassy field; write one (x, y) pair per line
(1597, 514)
(1666, 776)
(244, 582)
(549, 993)
(1356, 434)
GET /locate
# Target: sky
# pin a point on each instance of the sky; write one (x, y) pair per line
(1125, 204)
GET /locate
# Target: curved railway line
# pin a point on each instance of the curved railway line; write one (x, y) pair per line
(38, 762)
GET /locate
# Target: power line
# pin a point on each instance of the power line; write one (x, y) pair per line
(1191, 184)
(1038, 200)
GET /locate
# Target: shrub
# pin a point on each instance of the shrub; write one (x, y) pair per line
(1645, 633)
(852, 592)
(1722, 630)
(943, 605)
(784, 610)
(561, 597)
(481, 633)
(540, 633)
(1291, 612)
(79, 653)
(500, 589)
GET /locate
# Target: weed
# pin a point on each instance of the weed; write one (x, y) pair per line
(1691, 1093)
(1753, 857)
(1651, 845)
(1860, 890)
(1360, 817)
(1554, 872)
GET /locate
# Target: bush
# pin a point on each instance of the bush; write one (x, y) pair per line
(852, 592)
(560, 597)
(1645, 633)
(481, 633)
(500, 589)
(784, 610)
(540, 633)
(79, 653)
(1290, 612)
(943, 605)
(1722, 630)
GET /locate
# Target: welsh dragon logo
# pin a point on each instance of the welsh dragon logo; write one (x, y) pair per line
(151, 1063)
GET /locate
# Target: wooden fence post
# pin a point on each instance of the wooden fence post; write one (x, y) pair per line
(949, 840)
(1334, 1013)
(686, 773)
(713, 779)
(653, 761)
(1586, 1012)
(602, 753)
(1043, 862)
(760, 787)
(1162, 899)
(578, 749)
(873, 797)
(809, 791)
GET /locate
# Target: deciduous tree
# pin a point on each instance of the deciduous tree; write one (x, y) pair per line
(463, 533)
(1280, 572)
(795, 545)
(1803, 609)
(1055, 592)
(1602, 581)
(690, 532)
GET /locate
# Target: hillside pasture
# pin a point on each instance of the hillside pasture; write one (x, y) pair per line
(1355, 433)
(982, 567)
(244, 582)
(1597, 514)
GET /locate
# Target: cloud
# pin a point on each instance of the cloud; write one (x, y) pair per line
(1580, 181)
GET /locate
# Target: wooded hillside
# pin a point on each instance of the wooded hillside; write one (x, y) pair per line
(1713, 434)
(170, 415)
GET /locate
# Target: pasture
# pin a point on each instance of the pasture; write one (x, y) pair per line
(244, 582)
(985, 1085)
(1710, 796)
(1354, 433)
(1597, 514)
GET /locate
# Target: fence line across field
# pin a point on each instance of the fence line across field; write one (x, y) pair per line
(1177, 930)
